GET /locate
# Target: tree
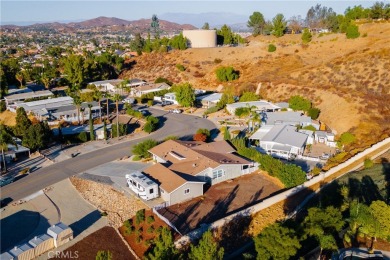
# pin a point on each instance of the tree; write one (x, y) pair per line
(142, 149)
(296, 23)
(117, 98)
(46, 81)
(3, 83)
(98, 95)
(377, 10)
(276, 242)
(74, 69)
(5, 139)
(22, 122)
(155, 25)
(185, 94)
(226, 134)
(346, 138)
(317, 16)
(257, 23)
(103, 255)
(299, 103)
(227, 97)
(242, 112)
(164, 247)
(20, 77)
(178, 42)
(37, 136)
(3, 106)
(91, 128)
(352, 31)
(314, 112)
(204, 131)
(248, 96)
(207, 249)
(137, 44)
(380, 212)
(200, 137)
(306, 36)
(323, 224)
(271, 48)
(206, 26)
(278, 25)
(227, 74)
(104, 130)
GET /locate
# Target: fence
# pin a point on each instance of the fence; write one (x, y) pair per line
(195, 234)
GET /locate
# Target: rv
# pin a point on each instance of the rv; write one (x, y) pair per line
(144, 187)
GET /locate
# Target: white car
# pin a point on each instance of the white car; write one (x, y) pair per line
(176, 111)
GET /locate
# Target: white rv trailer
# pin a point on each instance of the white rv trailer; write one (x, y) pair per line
(144, 187)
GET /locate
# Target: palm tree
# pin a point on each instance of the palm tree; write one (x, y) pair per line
(117, 98)
(98, 95)
(20, 77)
(107, 96)
(5, 140)
(77, 102)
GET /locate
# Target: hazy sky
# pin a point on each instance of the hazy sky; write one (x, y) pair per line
(54, 10)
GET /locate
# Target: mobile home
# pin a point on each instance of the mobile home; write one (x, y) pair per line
(144, 187)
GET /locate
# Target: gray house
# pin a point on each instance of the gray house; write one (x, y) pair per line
(185, 165)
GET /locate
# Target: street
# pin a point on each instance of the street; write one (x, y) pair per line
(172, 124)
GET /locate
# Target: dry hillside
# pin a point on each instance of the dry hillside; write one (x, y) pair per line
(349, 80)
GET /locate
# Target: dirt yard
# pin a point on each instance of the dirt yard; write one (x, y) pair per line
(103, 239)
(145, 231)
(221, 200)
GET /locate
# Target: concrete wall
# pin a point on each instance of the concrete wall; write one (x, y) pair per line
(201, 38)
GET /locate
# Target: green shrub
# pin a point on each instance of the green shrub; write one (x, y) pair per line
(148, 128)
(136, 158)
(314, 112)
(150, 229)
(138, 239)
(159, 229)
(248, 96)
(352, 31)
(284, 109)
(103, 214)
(315, 171)
(140, 216)
(171, 137)
(217, 61)
(122, 130)
(180, 67)
(306, 36)
(163, 80)
(148, 242)
(368, 163)
(141, 149)
(150, 219)
(103, 255)
(227, 74)
(128, 223)
(346, 138)
(204, 131)
(3, 106)
(242, 112)
(211, 110)
(299, 103)
(271, 48)
(309, 127)
(82, 137)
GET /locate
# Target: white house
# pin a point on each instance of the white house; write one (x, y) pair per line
(171, 97)
(325, 138)
(209, 100)
(286, 118)
(280, 141)
(110, 85)
(138, 91)
(261, 105)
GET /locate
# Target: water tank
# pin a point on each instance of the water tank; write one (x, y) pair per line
(201, 38)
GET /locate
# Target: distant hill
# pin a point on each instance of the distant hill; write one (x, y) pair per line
(137, 25)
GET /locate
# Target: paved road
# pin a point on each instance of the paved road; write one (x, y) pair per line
(173, 124)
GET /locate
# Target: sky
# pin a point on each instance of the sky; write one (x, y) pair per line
(16, 11)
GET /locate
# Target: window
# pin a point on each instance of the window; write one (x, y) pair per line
(151, 191)
(218, 174)
(186, 191)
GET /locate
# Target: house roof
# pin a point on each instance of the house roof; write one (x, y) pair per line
(261, 132)
(114, 82)
(288, 117)
(167, 179)
(286, 135)
(36, 241)
(152, 87)
(26, 95)
(141, 178)
(260, 105)
(191, 158)
(57, 228)
(47, 103)
(214, 97)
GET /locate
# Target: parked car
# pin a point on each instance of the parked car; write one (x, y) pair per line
(166, 103)
(5, 181)
(325, 156)
(176, 111)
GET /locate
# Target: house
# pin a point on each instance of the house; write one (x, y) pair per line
(138, 91)
(36, 106)
(11, 99)
(286, 118)
(173, 187)
(136, 82)
(280, 141)
(69, 113)
(22, 252)
(144, 187)
(61, 233)
(41, 244)
(261, 105)
(209, 100)
(325, 138)
(171, 97)
(310, 135)
(14, 152)
(183, 168)
(111, 85)
(73, 130)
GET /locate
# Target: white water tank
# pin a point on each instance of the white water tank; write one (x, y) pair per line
(201, 38)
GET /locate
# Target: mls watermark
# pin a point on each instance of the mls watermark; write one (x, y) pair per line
(61, 254)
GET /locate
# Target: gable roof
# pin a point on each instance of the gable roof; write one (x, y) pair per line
(167, 179)
(286, 135)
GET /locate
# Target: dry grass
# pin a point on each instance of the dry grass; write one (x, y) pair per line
(8, 118)
(346, 79)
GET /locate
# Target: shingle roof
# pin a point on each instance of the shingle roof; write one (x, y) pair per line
(167, 179)
(286, 135)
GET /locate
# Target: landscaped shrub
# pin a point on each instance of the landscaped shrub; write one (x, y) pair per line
(352, 31)
(138, 239)
(150, 219)
(128, 223)
(151, 124)
(136, 114)
(141, 149)
(314, 112)
(140, 216)
(122, 130)
(163, 80)
(211, 110)
(150, 229)
(271, 48)
(200, 137)
(82, 137)
(227, 74)
(306, 36)
(299, 103)
(346, 138)
(309, 127)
